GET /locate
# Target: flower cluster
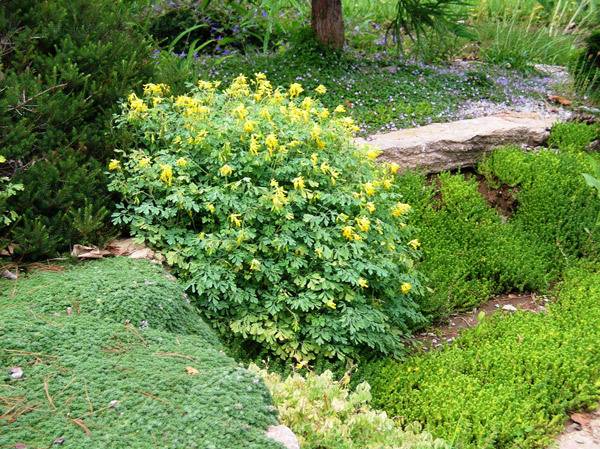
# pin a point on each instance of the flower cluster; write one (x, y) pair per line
(290, 235)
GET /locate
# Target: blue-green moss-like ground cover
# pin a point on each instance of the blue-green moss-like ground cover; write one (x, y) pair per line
(509, 382)
(76, 365)
(119, 290)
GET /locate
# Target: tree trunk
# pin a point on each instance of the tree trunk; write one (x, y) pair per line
(328, 22)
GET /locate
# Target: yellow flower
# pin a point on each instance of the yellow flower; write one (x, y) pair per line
(226, 170)
(295, 90)
(235, 220)
(339, 109)
(370, 207)
(137, 104)
(348, 232)
(369, 188)
(181, 162)
(271, 142)
(405, 287)
(289, 216)
(400, 209)
(279, 198)
(264, 113)
(249, 126)
(260, 76)
(363, 223)
(324, 113)
(393, 167)
(298, 183)
(255, 265)
(241, 112)
(362, 282)
(277, 97)
(373, 153)
(314, 159)
(254, 145)
(144, 162)
(319, 252)
(155, 89)
(114, 164)
(330, 304)
(210, 207)
(307, 103)
(320, 89)
(274, 183)
(387, 183)
(166, 174)
(415, 243)
(206, 85)
(2, 159)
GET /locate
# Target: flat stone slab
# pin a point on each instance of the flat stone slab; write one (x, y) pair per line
(447, 146)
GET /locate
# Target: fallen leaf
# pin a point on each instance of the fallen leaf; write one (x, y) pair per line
(560, 100)
(191, 370)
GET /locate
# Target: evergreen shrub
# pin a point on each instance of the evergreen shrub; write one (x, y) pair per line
(65, 64)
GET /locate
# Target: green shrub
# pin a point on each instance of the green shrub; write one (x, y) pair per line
(326, 414)
(96, 384)
(66, 199)
(573, 136)
(7, 189)
(120, 290)
(469, 254)
(509, 382)
(65, 65)
(554, 203)
(288, 234)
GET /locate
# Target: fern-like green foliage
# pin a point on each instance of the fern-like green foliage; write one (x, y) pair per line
(292, 238)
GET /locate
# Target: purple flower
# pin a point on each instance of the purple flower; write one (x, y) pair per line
(155, 53)
(264, 13)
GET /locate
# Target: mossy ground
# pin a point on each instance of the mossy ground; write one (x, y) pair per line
(95, 382)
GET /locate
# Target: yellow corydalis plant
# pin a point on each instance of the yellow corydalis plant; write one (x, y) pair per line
(259, 179)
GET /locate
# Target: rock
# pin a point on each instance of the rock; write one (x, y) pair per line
(16, 373)
(6, 274)
(509, 308)
(446, 146)
(89, 252)
(282, 434)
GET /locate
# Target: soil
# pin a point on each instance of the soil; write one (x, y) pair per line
(582, 432)
(446, 332)
(502, 199)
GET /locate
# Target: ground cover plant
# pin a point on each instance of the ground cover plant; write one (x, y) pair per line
(290, 236)
(509, 382)
(120, 290)
(84, 378)
(474, 249)
(327, 414)
(469, 252)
